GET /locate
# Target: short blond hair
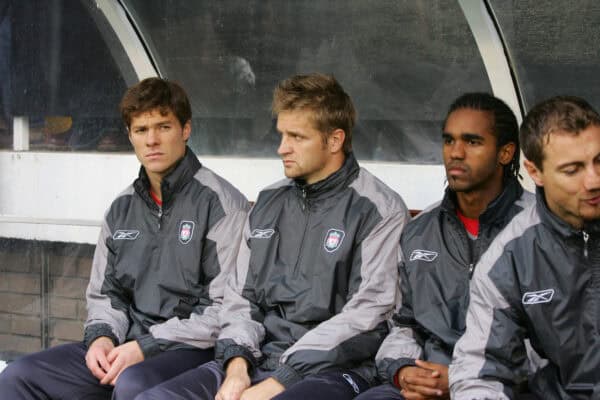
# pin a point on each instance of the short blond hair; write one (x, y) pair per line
(322, 94)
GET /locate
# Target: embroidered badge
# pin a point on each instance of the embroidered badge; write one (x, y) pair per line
(186, 231)
(541, 296)
(424, 255)
(333, 240)
(126, 234)
(262, 233)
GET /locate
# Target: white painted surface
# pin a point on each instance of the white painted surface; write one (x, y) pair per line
(116, 16)
(63, 196)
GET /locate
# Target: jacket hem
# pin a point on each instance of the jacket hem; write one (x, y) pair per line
(396, 366)
(148, 345)
(239, 351)
(93, 332)
(286, 375)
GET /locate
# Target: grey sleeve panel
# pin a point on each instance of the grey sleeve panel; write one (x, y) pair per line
(202, 327)
(335, 342)
(400, 346)
(230, 198)
(101, 313)
(489, 357)
(526, 200)
(240, 318)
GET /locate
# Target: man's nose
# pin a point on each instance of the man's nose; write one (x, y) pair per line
(591, 181)
(152, 137)
(284, 146)
(457, 150)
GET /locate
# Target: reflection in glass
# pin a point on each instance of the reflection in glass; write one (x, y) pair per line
(60, 75)
(402, 63)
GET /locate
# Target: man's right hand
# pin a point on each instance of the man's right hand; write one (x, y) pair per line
(95, 358)
(236, 380)
(419, 383)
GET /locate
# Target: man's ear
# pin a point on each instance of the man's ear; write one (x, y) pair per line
(187, 130)
(335, 141)
(506, 153)
(534, 172)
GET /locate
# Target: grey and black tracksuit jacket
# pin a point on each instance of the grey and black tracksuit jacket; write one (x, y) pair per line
(435, 270)
(316, 276)
(159, 273)
(540, 280)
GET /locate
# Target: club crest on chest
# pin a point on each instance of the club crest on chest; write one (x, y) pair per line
(186, 231)
(333, 240)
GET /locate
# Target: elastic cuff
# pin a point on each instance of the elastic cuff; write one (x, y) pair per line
(394, 367)
(93, 332)
(236, 350)
(286, 375)
(148, 345)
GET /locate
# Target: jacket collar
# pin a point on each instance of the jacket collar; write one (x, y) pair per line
(331, 185)
(553, 221)
(497, 209)
(183, 172)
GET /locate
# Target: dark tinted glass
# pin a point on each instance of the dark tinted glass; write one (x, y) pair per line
(59, 71)
(554, 46)
(402, 63)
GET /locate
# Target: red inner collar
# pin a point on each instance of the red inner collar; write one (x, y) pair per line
(470, 224)
(156, 199)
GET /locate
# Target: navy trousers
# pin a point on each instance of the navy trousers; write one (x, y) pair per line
(390, 392)
(60, 373)
(204, 382)
(382, 392)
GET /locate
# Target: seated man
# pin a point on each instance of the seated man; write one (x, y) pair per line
(167, 244)
(540, 277)
(315, 278)
(441, 246)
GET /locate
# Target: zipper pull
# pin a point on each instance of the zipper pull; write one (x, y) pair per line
(471, 268)
(586, 236)
(304, 201)
(160, 213)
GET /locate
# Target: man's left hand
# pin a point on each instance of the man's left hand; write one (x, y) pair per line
(267, 389)
(120, 358)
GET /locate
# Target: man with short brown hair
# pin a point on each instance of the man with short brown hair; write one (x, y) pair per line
(167, 244)
(539, 280)
(316, 273)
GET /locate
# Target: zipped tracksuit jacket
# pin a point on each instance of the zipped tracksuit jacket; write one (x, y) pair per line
(316, 277)
(159, 273)
(540, 279)
(435, 270)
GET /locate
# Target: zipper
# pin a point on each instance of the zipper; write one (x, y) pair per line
(473, 248)
(304, 208)
(586, 236)
(462, 231)
(160, 214)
